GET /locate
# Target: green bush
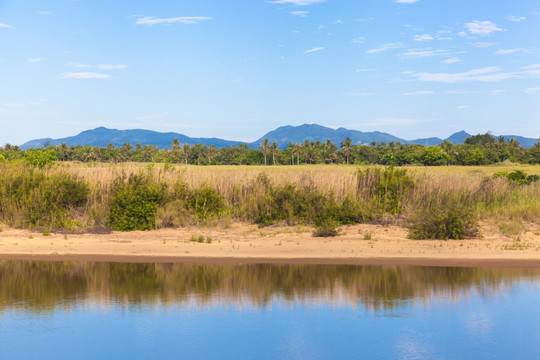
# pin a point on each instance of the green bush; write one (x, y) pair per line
(40, 158)
(445, 216)
(326, 229)
(386, 189)
(205, 202)
(134, 203)
(31, 198)
(517, 177)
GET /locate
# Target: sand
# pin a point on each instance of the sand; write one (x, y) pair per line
(243, 243)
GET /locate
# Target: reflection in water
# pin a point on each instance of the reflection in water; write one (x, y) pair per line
(46, 286)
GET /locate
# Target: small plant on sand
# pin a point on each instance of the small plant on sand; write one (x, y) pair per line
(326, 229)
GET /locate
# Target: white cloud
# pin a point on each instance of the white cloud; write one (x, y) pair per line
(420, 92)
(112, 67)
(487, 74)
(532, 90)
(515, 18)
(424, 37)
(451, 60)
(426, 52)
(85, 75)
(300, 13)
(407, 1)
(510, 51)
(34, 60)
(497, 92)
(6, 26)
(384, 47)
(45, 13)
(531, 67)
(459, 92)
(359, 40)
(483, 28)
(315, 49)
(297, 2)
(463, 107)
(151, 20)
(483, 45)
(359, 94)
(364, 70)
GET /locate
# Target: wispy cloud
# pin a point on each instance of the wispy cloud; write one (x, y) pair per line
(34, 60)
(297, 2)
(315, 49)
(419, 92)
(483, 45)
(364, 70)
(45, 13)
(300, 13)
(487, 74)
(426, 52)
(463, 107)
(112, 67)
(460, 92)
(85, 75)
(483, 28)
(532, 90)
(497, 92)
(407, 1)
(451, 60)
(385, 47)
(359, 94)
(424, 37)
(359, 40)
(515, 18)
(6, 26)
(510, 51)
(151, 20)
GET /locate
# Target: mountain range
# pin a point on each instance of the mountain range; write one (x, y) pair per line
(283, 136)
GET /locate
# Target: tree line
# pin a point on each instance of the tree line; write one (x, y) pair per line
(482, 149)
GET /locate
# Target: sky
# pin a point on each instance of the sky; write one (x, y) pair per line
(238, 69)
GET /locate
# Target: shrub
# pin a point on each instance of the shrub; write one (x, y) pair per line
(446, 216)
(326, 229)
(134, 203)
(40, 158)
(386, 189)
(205, 202)
(518, 177)
(33, 199)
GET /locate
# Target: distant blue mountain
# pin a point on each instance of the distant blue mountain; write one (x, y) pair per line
(102, 137)
(283, 136)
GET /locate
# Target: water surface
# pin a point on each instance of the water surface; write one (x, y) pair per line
(67, 310)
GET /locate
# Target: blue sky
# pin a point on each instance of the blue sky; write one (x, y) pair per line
(237, 69)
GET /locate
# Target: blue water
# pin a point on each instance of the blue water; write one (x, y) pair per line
(476, 319)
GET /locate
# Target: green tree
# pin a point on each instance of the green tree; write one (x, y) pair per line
(346, 148)
(264, 148)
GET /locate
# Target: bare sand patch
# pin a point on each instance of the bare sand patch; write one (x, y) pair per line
(240, 243)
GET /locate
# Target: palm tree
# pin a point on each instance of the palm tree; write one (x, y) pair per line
(187, 152)
(346, 148)
(264, 148)
(210, 152)
(298, 149)
(274, 150)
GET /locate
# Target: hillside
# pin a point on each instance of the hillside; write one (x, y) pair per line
(283, 136)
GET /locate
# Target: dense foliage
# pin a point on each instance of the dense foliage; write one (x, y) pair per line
(476, 150)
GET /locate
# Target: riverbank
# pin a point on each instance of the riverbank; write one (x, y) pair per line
(243, 243)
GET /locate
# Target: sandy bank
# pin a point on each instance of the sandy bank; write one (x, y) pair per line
(243, 243)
